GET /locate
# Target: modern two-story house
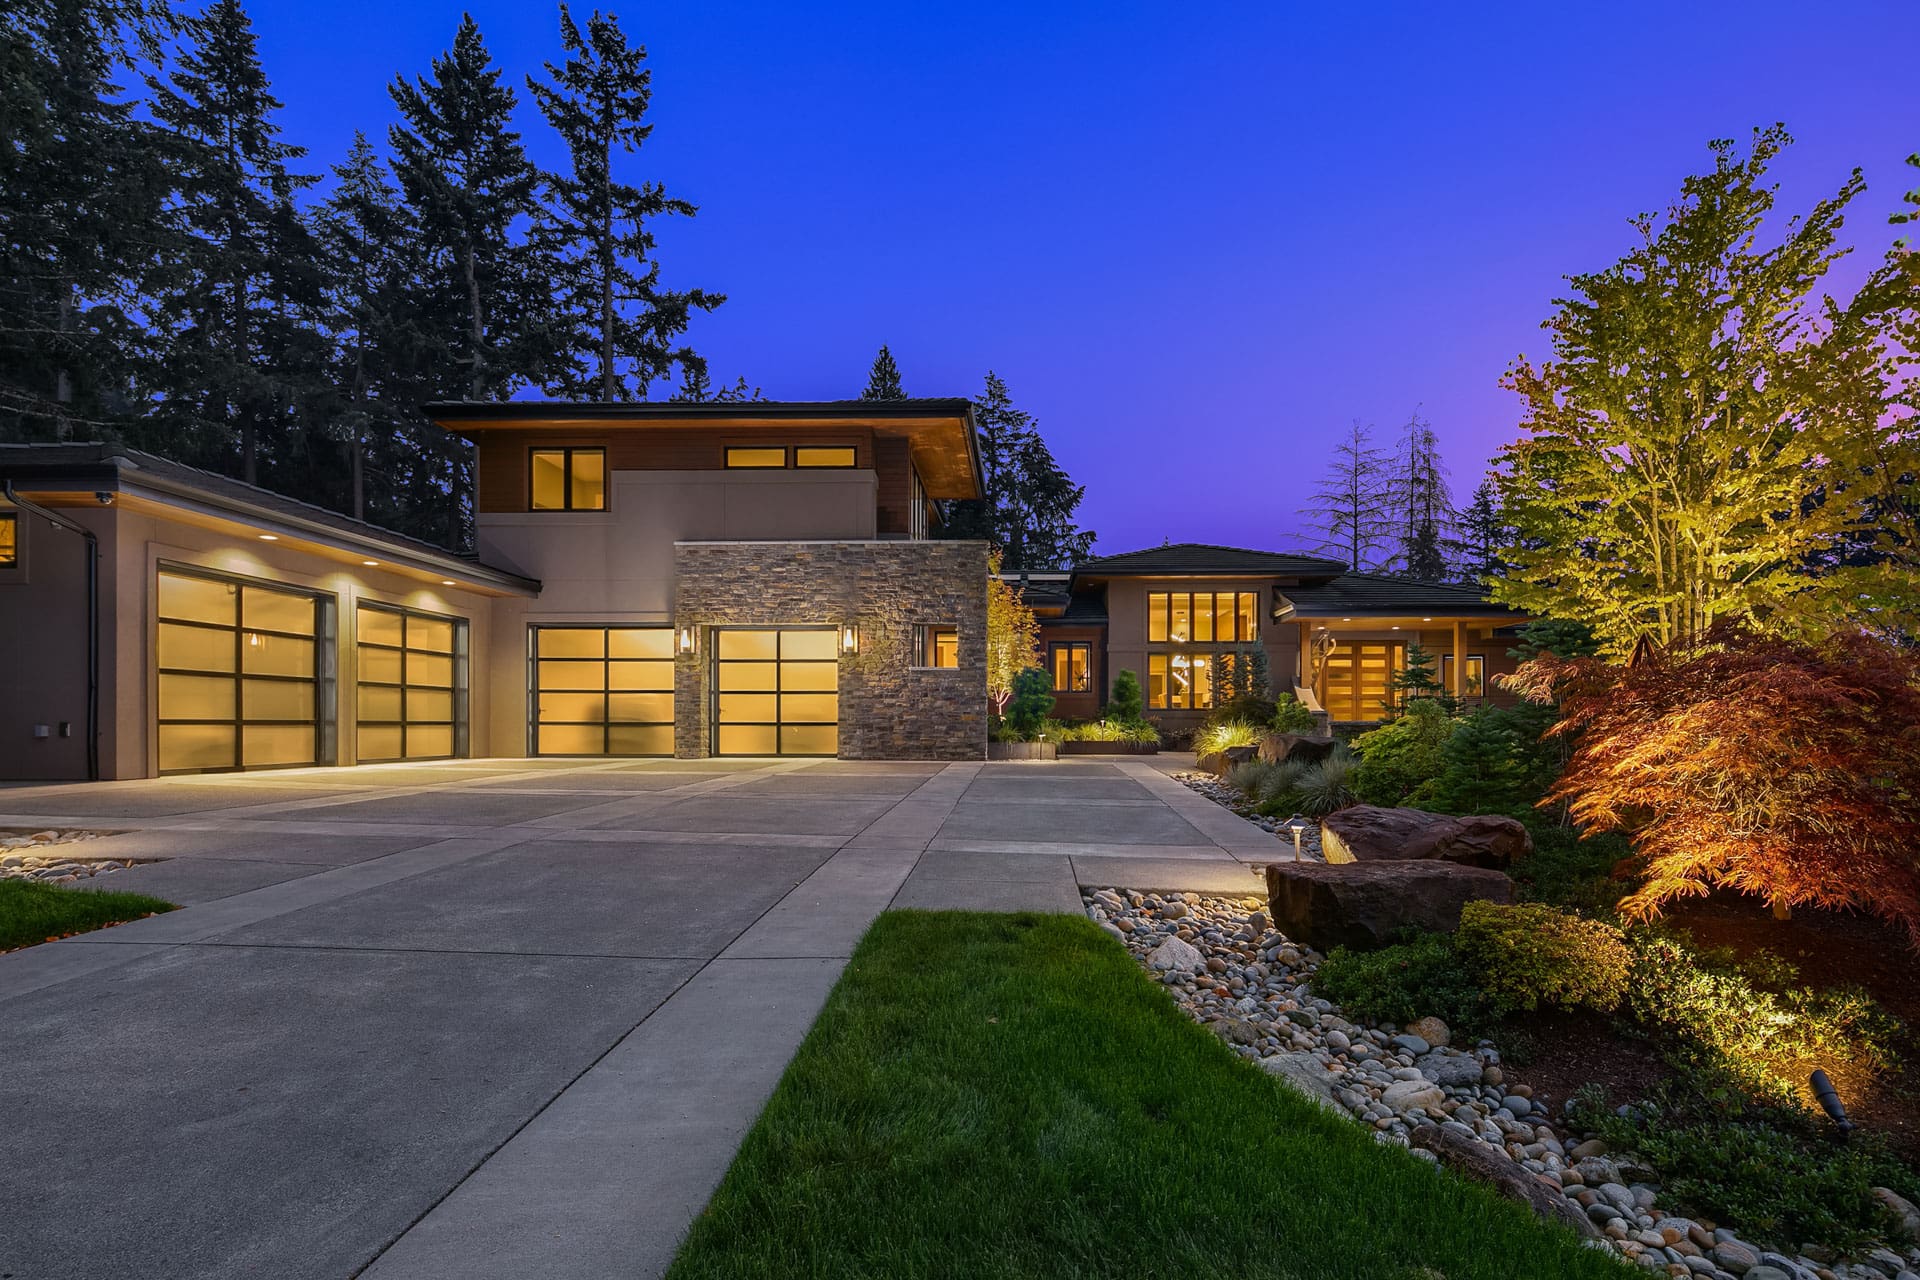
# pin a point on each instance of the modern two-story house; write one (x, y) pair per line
(1332, 637)
(673, 579)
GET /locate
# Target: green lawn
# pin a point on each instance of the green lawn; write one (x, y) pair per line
(32, 911)
(998, 1096)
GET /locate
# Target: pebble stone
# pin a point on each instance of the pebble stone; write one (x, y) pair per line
(29, 855)
(1224, 964)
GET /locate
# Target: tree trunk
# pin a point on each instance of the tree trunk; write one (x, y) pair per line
(476, 331)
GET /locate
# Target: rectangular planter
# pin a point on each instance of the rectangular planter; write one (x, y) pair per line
(1109, 748)
(1020, 750)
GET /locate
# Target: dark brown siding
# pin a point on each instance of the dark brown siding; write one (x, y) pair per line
(501, 456)
(1077, 706)
(893, 463)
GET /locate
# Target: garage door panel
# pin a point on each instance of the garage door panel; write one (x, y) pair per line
(412, 695)
(776, 692)
(610, 692)
(238, 679)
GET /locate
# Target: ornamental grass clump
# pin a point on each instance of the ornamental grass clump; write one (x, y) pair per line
(1224, 734)
(1777, 768)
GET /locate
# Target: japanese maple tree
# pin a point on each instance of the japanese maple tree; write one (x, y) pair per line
(1774, 767)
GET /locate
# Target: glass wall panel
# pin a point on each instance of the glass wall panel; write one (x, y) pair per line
(756, 457)
(1249, 617)
(1180, 624)
(270, 655)
(549, 480)
(198, 599)
(611, 693)
(820, 455)
(1157, 616)
(588, 488)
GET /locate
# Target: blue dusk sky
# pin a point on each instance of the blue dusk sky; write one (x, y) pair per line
(1196, 240)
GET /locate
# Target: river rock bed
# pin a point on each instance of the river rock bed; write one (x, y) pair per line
(1228, 797)
(1233, 973)
(42, 855)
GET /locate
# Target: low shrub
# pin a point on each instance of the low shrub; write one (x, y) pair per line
(1222, 734)
(1028, 707)
(1290, 715)
(1711, 1007)
(1496, 761)
(1326, 787)
(1531, 956)
(1770, 1172)
(1425, 975)
(1570, 871)
(1101, 731)
(1403, 756)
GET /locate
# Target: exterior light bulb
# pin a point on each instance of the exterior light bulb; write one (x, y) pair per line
(850, 639)
(370, 563)
(269, 537)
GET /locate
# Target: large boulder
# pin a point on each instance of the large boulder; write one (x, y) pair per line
(1278, 748)
(1364, 904)
(1369, 833)
(1486, 1163)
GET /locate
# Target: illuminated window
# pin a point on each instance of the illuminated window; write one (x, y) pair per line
(756, 458)
(776, 692)
(1072, 669)
(9, 539)
(603, 691)
(1476, 674)
(239, 684)
(1179, 681)
(412, 685)
(569, 480)
(936, 646)
(1177, 617)
(820, 455)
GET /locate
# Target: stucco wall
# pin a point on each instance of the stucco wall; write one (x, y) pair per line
(43, 650)
(1127, 645)
(889, 709)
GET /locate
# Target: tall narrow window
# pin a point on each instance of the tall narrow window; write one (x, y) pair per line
(569, 480)
(1071, 667)
(1476, 686)
(9, 539)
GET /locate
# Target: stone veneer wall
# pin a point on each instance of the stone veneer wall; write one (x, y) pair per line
(889, 709)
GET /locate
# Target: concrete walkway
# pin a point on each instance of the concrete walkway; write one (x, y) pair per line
(490, 1018)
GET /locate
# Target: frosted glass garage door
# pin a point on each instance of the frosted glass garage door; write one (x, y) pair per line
(239, 668)
(776, 692)
(603, 691)
(411, 684)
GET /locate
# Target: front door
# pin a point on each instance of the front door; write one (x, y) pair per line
(776, 691)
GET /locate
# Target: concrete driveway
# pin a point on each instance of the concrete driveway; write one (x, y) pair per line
(489, 1018)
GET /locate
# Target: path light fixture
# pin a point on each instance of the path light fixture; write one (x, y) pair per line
(688, 643)
(1298, 826)
(1829, 1099)
(850, 639)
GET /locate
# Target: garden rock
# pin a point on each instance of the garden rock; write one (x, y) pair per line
(1371, 833)
(1281, 748)
(1176, 955)
(1304, 1075)
(1432, 1030)
(1485, 1163)
(1452, 1070)
(1902, 1209)
(1365, 904)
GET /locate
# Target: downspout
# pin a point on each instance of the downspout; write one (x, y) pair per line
(93, 619)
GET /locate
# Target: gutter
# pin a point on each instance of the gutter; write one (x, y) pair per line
(93, 618)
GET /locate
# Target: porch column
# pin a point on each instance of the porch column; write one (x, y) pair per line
(1459, 659)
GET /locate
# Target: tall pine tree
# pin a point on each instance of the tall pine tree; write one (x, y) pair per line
(883, 379)
(1482, 534)
(1423, 504)
(1030, 502)
(371, 251)
(484, 301)
(81, 186)
(1352, 504)
(618, 330)
(240, 296)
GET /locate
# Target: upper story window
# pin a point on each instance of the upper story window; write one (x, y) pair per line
(823, 455)
(9, 538)
(1177, 617)
(569, 479)
(756, 457)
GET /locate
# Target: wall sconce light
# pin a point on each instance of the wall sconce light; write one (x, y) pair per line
(849, 639)
(687, 640)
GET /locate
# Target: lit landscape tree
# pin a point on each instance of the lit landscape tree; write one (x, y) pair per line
(617, 328)
(1712, 437)
(1770, 766)
(1352, 505)
(1013, 635)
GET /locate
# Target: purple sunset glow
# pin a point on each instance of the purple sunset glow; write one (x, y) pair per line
(1195, 240)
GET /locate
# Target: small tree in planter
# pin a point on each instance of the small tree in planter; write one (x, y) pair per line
(1030, 704)
(1126, 703)
(1013, 637)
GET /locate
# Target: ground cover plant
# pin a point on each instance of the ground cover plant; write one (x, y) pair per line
(1011, 1096)
(32, 911)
